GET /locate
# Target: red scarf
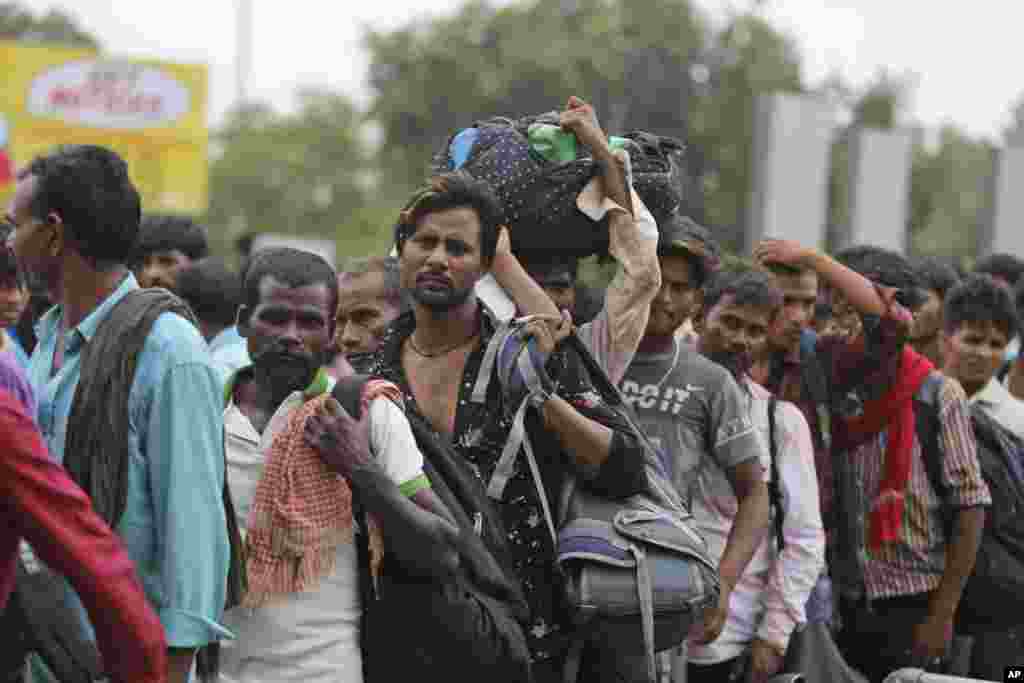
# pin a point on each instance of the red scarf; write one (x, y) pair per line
(302, 511)
(893, 411)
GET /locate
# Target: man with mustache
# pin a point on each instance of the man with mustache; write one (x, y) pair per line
(899, 562)
(789, 369)
(768, 602)
(312, 635)
(159, 477)
(446, 240)
(695, 411)
(370, 298)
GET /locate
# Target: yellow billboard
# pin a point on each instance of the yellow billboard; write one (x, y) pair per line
(152, 113)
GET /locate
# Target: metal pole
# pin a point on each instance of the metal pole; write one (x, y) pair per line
(243, 49)
(921, 676)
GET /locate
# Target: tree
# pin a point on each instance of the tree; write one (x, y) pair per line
(879, 105)
(883, 101)
(950, 187)
(19, 23)
(653, 65)
(304, 173)
(747, 59)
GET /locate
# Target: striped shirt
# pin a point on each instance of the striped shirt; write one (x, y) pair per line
(916, 562)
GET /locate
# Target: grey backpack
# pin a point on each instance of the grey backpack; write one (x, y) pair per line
(638, 574)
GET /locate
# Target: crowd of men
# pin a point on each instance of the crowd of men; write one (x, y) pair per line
(226, 444)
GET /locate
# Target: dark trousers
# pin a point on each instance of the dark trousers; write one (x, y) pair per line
(991, 653)
(729, 671)
(878, 639)
(597, 665)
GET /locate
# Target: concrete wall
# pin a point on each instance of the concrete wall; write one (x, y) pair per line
(1006, 232)
(879, 189)
(790, 168)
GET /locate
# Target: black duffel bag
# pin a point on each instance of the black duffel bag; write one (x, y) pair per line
(466, 628)
(538, 196)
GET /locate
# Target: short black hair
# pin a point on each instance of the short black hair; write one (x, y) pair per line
(165, 232)
(454, 190)
(211, 290)
(544, 262)
(936, 275)
(887, 268)
(90, 189)
(1004, 266)
(1018, 304)
(294, 267)
(747, 286)
(979, 299)
(10, 273)
(680, 235)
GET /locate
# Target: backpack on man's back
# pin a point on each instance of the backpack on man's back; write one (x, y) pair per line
(994, 594)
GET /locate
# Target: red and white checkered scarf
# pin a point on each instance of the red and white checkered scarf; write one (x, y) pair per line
(302, 511)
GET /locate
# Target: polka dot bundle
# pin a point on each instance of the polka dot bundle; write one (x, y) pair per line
(657, 172)
(539, 196)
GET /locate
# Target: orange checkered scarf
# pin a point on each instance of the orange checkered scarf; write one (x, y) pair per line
(302, 511)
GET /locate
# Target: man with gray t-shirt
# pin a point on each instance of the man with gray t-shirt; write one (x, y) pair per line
(694, 409)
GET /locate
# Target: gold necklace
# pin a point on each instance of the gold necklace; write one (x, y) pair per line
(442, 352)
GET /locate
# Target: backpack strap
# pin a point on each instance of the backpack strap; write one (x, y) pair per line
(815, 386)
(775, 485)
(928, 429)
(348, 391)
(1004, 371)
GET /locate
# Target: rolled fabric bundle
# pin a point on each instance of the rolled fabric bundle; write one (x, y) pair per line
(537, 171)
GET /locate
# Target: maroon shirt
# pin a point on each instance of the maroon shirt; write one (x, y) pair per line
(40, 503)
(866, 359)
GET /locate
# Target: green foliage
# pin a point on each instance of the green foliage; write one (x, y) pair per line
(301, 173)
(649, 64)
(654, 65)
(753, 59)
(368, 230)
(950, 195)
(883, 101)
(19, 23)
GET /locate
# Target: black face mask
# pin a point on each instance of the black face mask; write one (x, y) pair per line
(361, 362)
(286, 371)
